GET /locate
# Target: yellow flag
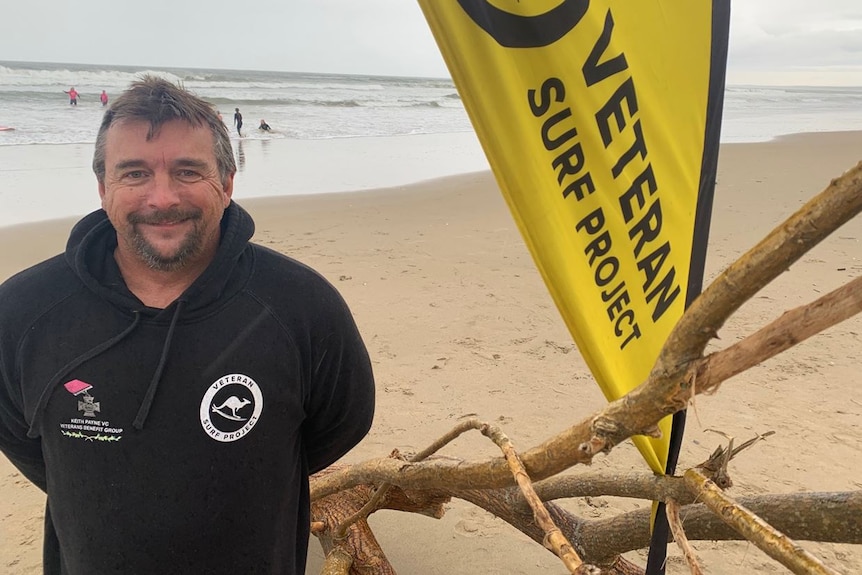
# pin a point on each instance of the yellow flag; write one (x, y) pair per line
(601, 122)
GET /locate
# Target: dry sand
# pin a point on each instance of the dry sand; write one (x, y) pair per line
(458, 322)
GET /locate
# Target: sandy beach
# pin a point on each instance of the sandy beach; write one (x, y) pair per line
(458, 322)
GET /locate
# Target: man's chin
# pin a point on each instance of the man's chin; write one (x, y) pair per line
(165, 262)
(166, 257)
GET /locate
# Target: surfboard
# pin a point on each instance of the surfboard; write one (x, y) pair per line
(6, 128)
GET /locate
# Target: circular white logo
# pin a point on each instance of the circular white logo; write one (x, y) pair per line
(231, 407)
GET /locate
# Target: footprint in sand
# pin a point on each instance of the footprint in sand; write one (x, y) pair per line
(477, 523)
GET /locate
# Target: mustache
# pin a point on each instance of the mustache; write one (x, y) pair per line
(165, 216)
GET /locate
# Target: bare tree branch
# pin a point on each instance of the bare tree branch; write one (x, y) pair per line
(553, 537)
(672, 381)
(680, 372)
(633, 485)
(375, 501)
(827, 517)
(337, 562)
(772, 256)
(771, 541)
(791, 328)
(678, 532)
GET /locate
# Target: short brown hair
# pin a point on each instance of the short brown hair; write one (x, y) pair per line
(157, 101)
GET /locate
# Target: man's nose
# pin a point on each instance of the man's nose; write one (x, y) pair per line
(164, 192)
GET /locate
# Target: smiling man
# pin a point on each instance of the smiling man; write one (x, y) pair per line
(165, 196)
(167, 383)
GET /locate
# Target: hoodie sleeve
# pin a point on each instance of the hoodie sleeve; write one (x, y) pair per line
(23, 298)
(24, 453)
(341, 402)
(33, 468)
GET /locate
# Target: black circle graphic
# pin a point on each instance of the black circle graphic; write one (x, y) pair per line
(514, 31)
(230, 408)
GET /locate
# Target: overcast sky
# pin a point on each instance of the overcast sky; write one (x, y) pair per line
(772, 41)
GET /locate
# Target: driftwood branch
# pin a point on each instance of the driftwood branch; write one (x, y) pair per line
(771, 541)
(375, 501)
(680, 373)
(634, 485)
(791, 328)
(358, 541)
(826, 517)
(679, 536)
(671, 382)
(553, 537)
(772, 256)
(338, 562)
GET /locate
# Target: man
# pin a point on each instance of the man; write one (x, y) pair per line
(237, 120)
(168, 384)
(73, 96)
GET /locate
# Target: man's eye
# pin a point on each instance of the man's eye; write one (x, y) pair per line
(134, 175)
(188, 175)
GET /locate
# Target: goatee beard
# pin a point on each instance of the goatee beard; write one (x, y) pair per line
(190, 246)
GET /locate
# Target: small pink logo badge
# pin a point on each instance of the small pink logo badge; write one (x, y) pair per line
(77, 387)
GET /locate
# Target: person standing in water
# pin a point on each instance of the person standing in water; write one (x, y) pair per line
(237, 119)
(104, 98)
(73, 96)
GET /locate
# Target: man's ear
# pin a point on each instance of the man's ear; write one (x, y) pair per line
(228, 189)
(102, 191)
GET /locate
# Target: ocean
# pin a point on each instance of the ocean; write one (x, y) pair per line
(331, 132)
(297, 106)
(305, 106)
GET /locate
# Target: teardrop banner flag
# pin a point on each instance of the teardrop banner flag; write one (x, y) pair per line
(601, 123)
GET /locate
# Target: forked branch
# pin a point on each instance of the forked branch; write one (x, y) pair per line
(680, 372)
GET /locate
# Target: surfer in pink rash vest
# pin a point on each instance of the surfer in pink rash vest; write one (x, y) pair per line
(73, 96)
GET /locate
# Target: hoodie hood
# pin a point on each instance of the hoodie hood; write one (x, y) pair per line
(90, 253)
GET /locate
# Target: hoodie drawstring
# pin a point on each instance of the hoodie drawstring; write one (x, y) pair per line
(144, 410)
(49, 387)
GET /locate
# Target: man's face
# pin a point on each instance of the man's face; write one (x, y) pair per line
(164, 196)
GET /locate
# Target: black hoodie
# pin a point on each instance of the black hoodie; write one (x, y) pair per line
(178, 440)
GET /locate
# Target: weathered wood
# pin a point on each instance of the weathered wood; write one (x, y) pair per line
(792, 327)
(553, 538)
(337, 562)
(680, 373)
(679, 536)
(768, 539)
(358, 542)
(826, 517)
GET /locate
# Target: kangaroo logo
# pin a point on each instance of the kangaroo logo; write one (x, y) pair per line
(515, 31)
(233, 403)
(231, 407)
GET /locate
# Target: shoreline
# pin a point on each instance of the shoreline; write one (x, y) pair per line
(43, 240)
(310, 167)
(43, 182)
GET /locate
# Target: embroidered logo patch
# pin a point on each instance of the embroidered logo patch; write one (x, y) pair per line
(86, 426)
(231, 407)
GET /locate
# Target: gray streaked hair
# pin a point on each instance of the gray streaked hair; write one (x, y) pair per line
(157, 101)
